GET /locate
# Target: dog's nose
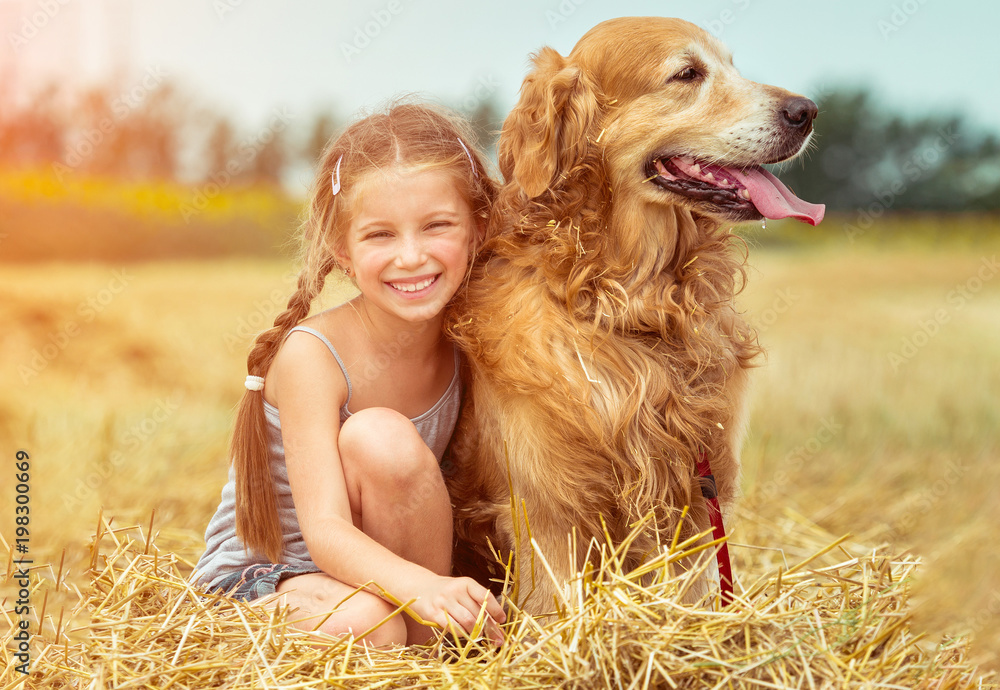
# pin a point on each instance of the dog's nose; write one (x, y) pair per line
(799, 113)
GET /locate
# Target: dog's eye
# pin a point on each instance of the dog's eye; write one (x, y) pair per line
(687, 74)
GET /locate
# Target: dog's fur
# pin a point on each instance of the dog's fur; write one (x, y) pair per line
(605, 350)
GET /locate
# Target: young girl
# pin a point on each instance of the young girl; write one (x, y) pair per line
(335, 482)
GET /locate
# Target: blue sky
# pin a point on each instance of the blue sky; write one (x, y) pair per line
(247, 57)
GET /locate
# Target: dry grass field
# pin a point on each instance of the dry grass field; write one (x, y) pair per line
(875, 413)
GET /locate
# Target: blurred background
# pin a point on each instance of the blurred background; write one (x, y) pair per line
(154, 159)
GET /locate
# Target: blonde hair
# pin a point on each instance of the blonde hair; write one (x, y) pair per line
(406, 134)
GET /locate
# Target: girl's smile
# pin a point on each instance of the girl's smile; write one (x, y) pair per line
(414, 285)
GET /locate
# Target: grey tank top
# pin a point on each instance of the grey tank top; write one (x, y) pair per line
(225, 553)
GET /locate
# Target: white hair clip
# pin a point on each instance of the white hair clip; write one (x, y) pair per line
(471, 162)
(254, 383)
(336, 176)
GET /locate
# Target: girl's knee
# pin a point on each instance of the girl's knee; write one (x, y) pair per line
(382, 443)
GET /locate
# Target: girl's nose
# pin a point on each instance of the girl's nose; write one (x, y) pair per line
(411, 252)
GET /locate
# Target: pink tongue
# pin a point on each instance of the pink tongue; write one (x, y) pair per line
(773, 199)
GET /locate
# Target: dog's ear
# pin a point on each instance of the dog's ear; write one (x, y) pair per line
(547, 131)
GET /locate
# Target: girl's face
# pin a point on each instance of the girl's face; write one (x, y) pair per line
(409, 243)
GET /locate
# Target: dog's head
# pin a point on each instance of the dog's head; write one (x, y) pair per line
(658, 103)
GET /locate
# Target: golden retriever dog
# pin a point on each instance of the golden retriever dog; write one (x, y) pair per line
(605, 350)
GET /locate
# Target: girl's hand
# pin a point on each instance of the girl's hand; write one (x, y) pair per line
(455, 602)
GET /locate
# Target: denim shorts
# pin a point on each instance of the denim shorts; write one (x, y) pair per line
(258, 580)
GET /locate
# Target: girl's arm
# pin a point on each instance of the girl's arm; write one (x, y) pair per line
(308, 388)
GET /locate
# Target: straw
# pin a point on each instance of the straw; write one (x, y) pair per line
(838, 618)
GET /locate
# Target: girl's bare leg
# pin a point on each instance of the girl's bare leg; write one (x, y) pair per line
(319, 602)
(398, 496)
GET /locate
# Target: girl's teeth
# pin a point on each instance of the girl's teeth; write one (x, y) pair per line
(412, 287)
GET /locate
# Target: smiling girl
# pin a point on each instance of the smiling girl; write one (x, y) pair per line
(335, 486)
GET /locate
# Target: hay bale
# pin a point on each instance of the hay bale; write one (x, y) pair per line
(817, 613)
